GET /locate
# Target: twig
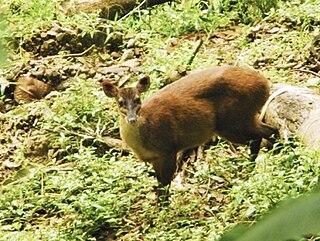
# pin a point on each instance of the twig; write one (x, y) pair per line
(71, 133)
(109, 141)
(308, 71)
(62, 167)
(70, 55)
(194, 53)
(133, 10)
(272, 97)
(112, 142)
(282, 66)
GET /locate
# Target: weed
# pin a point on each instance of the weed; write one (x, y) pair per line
(62, 182)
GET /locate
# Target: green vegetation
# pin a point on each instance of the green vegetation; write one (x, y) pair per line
(60, 181)
(290, 220)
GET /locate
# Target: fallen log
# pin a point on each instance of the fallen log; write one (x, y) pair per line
(109, 8)
(295, 112)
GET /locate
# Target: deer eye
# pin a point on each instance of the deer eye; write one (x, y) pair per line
(137, 100)
(121, 103)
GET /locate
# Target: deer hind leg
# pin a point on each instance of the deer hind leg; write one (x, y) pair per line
(184, 156)
(254, 148)
(250, 133)
(165, 168)
(262, 130)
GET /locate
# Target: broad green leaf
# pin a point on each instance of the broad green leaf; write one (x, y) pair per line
(291, 220)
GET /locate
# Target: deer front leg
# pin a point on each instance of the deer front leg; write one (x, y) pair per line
(165, 168)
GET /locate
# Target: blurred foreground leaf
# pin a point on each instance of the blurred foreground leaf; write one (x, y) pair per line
(3, 26)
(293, 219)
(2, 55)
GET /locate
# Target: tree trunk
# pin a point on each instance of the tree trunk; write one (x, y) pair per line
(295, 111)
(110, 8)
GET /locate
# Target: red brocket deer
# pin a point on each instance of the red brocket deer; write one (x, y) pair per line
(222, 101)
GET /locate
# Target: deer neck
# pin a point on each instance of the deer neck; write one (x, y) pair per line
(130, 132)
(134, 136)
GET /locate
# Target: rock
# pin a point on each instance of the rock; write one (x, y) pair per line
(11, 165)
(274, 30)
(40, 71)
(115, 40)
(132, 63)
(256, 28)
(91, 73)
(60, 37)
(53, 75)
(52, 33)
(49, 47)
(29, 89)
(131, 43)
(115, 55)
(313, 81)
(127, 54)
(43, 35)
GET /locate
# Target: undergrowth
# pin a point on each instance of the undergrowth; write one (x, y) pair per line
(76, 187)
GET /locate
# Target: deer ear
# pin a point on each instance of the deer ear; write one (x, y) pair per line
(110, 89)
(143, 84)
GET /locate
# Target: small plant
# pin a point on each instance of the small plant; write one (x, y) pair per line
(248, 11)
(3, 28)
(176, 19)
(61, 181)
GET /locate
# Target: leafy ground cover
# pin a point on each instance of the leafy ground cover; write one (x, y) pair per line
(61, 181)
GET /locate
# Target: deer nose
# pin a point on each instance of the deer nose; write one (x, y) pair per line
(132, 120)
(131, 114)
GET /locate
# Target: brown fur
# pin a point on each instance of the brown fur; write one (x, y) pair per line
(220, 101)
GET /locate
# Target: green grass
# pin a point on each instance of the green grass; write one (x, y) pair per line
(83, 190)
